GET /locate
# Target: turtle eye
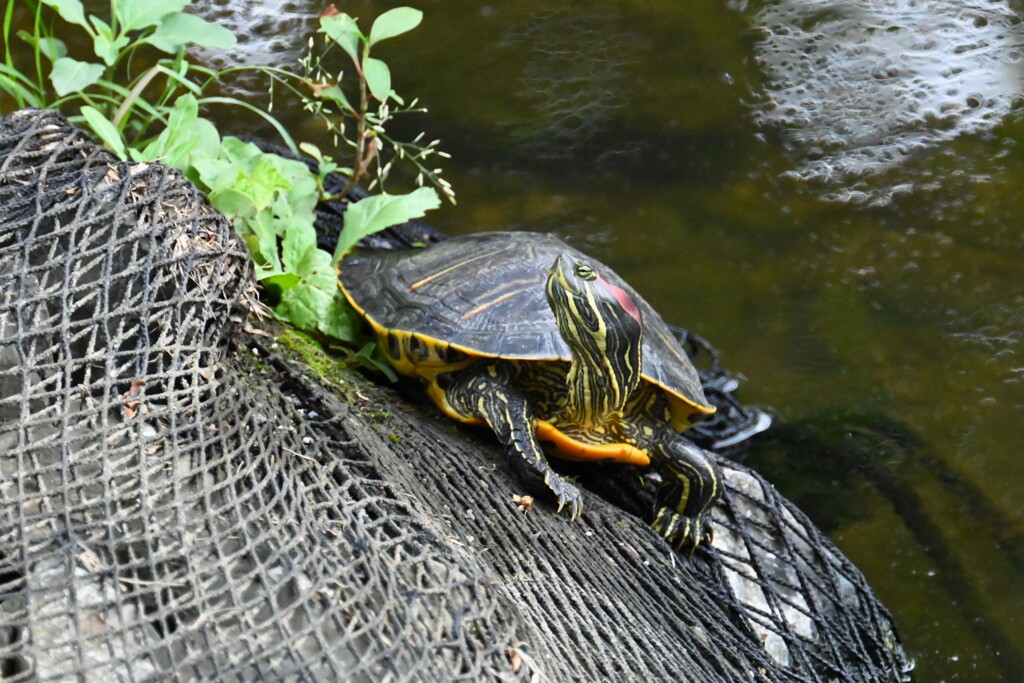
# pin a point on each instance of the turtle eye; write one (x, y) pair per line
(584, 271)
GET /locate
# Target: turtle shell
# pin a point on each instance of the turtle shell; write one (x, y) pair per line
(484, 295)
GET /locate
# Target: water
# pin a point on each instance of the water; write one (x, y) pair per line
(831, 193)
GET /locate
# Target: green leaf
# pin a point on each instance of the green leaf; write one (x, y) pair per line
(395, 22)
(200, 141)
(246, 175)
(298, 203)
(51, 48)
(234, 162)
(235, 149)
(335, 94)
(282, 281)
(264, 181)
(104, 129)
(108, 51)
(263, 226)
(185, 113)
(70, 11)
(101, 26)
(234, 203)
(371, 356)
(106, 46)
(186, 110)
(342, 29)
(10, 82)
(378, 77)
(380, 212)
(183, 29)
(298, 250)
(133, 15)
(214, 173)
(312, 300)
(340, 322)
(312, 150)
(69, 75)
(186, 140)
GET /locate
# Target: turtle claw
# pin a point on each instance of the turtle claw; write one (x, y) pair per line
(684, 533)
(567, 494)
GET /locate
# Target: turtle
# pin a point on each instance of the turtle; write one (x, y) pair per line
(554, 352)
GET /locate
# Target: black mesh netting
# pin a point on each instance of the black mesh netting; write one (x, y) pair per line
(179, 501)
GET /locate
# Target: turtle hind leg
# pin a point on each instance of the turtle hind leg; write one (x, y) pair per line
(692, 483)
(487, 392)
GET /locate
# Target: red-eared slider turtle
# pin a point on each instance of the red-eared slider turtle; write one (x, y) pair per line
(549, 348)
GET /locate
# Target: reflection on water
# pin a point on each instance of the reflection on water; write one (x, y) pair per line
(269, 32)
(698, 147)
(860, 85)
(572, 80)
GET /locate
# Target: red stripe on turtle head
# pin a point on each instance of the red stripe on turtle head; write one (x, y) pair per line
(624, 299)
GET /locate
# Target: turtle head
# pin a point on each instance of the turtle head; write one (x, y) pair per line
(602, 325)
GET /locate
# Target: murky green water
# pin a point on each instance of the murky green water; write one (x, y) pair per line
(832, 194)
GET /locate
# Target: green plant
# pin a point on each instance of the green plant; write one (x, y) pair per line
(154, 114)
(107, 93)
(377, 103)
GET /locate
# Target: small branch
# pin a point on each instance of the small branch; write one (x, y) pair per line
(126, 106)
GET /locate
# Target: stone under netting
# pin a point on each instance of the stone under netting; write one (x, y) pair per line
(180, 501)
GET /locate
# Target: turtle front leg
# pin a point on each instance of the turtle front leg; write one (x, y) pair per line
(488, 393)
(692, 484)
